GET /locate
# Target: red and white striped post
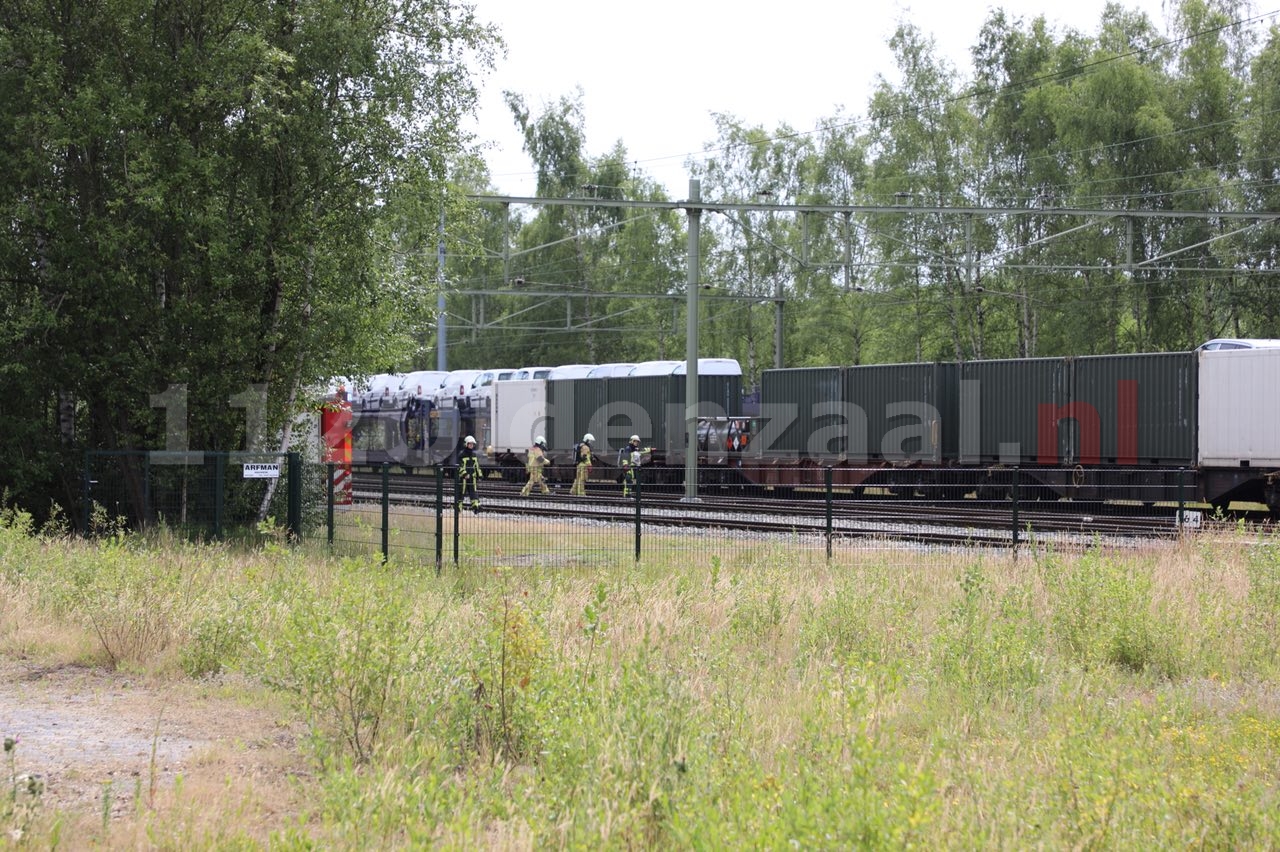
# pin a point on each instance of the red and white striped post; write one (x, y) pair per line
(335, 428)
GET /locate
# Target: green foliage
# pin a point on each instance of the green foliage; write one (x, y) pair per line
(17, 543)
(587, 253)
(507, 667)
(992, 643)
(1263, 613)
(21, 795)
(593, 625)
(1106, 615)
(913, 700)
(759, 607)
(131, 605)
(202, 195)
(219, 637)
(844, 783)
(866, 620)
(349, 653)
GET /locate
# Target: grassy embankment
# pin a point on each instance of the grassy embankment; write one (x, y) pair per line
(956, 701)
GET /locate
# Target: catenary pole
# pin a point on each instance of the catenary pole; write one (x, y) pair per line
(691, 347)
(441, 325)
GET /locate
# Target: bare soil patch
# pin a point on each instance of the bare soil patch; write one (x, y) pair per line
(86, 731)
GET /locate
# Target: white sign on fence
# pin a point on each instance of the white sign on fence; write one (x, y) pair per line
(261, 471)
(1191, 518)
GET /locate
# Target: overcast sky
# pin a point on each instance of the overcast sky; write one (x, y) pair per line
(652, 73)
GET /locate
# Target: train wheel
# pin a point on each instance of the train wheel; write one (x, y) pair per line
(995, 493)
(1272, 495)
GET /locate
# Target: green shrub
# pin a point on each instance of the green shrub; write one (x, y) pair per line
(1262, 566)
(128, 600)
(759, 608)
(866, 617)
(509, 659)
(843, 785)
(350, 653)
(1105, 615)
(991, 643)
(218, 638)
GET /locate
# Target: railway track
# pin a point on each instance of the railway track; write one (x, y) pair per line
(956, 522)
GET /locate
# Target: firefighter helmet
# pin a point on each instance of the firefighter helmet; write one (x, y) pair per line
(469, 441)
(588, 438)
(635, 439)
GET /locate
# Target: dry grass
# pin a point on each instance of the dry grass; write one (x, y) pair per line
(741, 695)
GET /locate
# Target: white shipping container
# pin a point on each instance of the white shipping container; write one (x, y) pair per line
(519, 414)
(1239, 408)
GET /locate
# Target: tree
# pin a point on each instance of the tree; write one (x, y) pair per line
(751, 253)
(1257, 307)
(833, 250)
(197, 199)
(587, 253)
(921, 139)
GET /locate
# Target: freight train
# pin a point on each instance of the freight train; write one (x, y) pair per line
(1147, 425)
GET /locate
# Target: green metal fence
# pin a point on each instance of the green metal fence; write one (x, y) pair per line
(421, 519)
(202, 494)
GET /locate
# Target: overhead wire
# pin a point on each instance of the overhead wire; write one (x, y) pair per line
(1026, 85)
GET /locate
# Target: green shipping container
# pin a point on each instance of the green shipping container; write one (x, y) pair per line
(1136, 409)
(902, 412)
(801, 412)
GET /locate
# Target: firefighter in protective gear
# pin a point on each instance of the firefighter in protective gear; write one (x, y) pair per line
(629, 458)
(535, 461)
(469, 474)
(583, 458)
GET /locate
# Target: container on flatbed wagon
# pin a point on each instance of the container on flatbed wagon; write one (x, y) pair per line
(800, 409)
(519, 415)
(1001, 406)
(1135, 409)
(1239, 408)
(911, 412)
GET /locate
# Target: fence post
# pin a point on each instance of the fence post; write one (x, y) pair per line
(219, 491)
(439, 518)
(1182, 503)
(386, 510)
(295, 497)
(636, 486)
(1017, 475)
(146, 489)
(828, 477)
(329, 500)
(457, 512)
(86, 497)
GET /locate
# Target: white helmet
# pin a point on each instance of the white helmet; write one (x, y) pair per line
(588, 438)
(539, 441)
(468, 440)
(635, 439)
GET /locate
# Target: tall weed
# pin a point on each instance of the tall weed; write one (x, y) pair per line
(868, 615)
(350, 652)
(844, 784)
(1262, 565)
(128, 601)
(508, 662)
(1105, 615)
(992, 643)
